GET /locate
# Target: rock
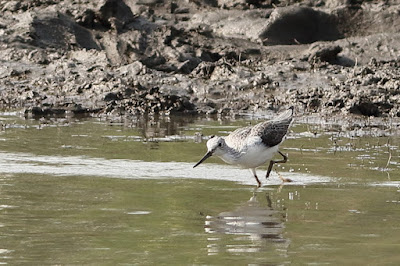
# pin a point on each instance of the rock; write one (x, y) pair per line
(40, 112)
(115, 14)
(132, 69)
(154, 60)
(323, 53)
(11, 6)
(53, 29)
(232, 23)
(87, 18)
(204, 69)
(111, 96)
(299, 25)
(38, 56)
(187, 66)
(365, 107)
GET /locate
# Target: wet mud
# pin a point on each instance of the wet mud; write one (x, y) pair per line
(121, 57)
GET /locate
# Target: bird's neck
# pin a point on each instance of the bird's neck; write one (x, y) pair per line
(230, 155)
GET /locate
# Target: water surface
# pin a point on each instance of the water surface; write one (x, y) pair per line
(94, 191)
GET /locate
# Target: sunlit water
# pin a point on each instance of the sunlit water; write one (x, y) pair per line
(104, 192)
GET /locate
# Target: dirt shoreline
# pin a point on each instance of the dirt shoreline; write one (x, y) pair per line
(120, 57)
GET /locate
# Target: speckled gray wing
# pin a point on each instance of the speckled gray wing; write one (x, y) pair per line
(272, 132)
(238, 137)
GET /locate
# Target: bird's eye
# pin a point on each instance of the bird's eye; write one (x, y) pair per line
(219, 144)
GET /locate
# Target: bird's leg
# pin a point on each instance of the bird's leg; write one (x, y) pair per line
(253, 170)
(272, 162)
(283, 178)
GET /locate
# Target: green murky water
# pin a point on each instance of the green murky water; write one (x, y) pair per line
(124, 192)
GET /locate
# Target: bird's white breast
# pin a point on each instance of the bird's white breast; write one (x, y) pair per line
(251, 155)
(256, 155)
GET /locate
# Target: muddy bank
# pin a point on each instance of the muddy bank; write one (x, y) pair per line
(119, 57)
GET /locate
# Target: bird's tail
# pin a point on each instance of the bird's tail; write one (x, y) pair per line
(286, 115)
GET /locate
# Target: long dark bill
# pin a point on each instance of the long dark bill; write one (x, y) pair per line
(208, 154)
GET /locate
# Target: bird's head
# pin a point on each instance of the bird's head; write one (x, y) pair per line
(215, 146)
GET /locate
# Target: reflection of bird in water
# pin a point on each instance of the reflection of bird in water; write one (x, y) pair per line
(260, 224)
(252, 146)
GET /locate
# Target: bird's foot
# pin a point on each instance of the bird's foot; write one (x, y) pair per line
(284, 180)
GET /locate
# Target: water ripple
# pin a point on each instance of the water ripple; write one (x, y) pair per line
(25, 163)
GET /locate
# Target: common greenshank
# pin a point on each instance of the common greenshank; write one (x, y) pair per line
(252, 146)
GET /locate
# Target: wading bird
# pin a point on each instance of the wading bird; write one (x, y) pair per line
(252, 146)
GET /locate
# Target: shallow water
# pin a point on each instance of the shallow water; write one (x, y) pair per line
(95, 191)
